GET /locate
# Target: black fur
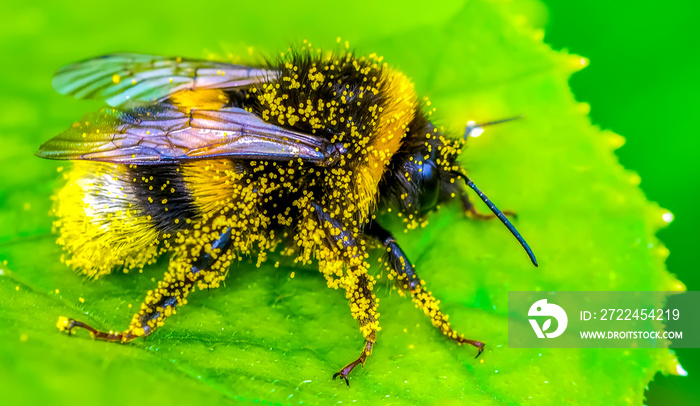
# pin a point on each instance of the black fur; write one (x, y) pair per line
(345, 77)
(159, 183)
(395, 190)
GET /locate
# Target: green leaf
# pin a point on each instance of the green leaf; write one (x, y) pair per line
(271, 338)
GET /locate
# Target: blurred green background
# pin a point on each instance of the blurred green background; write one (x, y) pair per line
(643, 83)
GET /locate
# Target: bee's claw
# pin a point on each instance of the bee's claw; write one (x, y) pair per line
(478, 344)
(342, 375)
(481, 349)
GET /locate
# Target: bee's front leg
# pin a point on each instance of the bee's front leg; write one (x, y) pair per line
(472, 212)
(206, 270)
(407, 278)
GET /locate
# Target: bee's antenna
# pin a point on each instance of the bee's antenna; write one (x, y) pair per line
(477, 129)
(500, 216)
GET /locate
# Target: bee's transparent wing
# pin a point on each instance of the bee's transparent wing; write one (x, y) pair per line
(161, 133)
(123, 78)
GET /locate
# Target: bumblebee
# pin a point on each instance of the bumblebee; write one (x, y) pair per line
(210, 163)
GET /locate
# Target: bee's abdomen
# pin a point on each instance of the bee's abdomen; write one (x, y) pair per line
(100, 222)
(162, 194)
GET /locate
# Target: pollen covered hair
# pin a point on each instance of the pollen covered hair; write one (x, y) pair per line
(99, 223)
(401, 184)
(358, 102)
(124, 216)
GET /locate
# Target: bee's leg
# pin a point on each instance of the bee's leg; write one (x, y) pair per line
(206, 270)
(345, 251)
(361, 298)
(407, 279)
(471, 211)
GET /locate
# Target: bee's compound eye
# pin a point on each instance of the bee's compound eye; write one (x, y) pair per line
(430, 186)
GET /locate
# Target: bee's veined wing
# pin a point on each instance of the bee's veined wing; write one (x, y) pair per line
(161, 133)
(124, 78)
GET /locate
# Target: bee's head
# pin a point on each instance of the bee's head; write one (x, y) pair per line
(426, 173)
(422, 175)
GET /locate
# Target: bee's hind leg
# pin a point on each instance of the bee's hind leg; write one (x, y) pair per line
(206, 270)
(408, 279)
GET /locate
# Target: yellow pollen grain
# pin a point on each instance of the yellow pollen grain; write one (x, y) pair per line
(62, 323)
